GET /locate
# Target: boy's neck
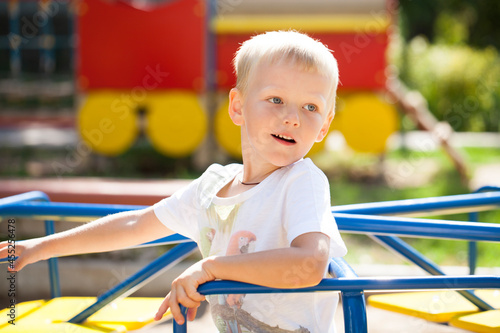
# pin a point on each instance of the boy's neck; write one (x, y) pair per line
(245, 181)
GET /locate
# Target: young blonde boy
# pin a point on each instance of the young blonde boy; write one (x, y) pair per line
(266, 221)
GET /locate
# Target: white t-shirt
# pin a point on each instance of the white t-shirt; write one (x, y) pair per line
(291, 201)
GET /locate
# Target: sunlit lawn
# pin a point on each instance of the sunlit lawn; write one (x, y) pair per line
(444, 180)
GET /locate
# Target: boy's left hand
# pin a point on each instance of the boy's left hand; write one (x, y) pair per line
(184, 291)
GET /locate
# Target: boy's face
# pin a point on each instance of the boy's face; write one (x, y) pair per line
(284, 111)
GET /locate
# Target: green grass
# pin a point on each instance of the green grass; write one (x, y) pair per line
(349, 189)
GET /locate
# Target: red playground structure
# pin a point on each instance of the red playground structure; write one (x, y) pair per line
(170, 62)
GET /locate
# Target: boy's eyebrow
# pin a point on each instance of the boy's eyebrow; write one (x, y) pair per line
(315, 96)
(276, 87)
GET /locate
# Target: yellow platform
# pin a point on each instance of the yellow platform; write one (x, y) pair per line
(51, 316)
(483, 322)
(436, 306)
(18, 312)
(61, 328)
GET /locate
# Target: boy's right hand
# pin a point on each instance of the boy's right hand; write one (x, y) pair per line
(184, 291)
(27, 252)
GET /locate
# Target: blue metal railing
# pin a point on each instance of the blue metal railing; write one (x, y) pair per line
(34, 196)
(348, 285)
(134, 282)
(444, 205)
(354, 223)
(473, 217)
(348, 220)
(427, 206)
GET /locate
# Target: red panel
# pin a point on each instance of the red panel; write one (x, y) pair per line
(361, 58)
(122, 47)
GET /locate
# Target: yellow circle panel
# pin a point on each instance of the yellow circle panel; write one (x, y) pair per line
(107, 123)
(176, 122)
(227, 134)
(366, 122)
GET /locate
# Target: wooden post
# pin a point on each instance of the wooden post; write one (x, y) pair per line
(415, 106)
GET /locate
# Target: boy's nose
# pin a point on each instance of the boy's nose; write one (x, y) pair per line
(291, 117)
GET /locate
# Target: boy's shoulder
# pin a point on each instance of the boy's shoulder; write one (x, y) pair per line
(305, 168)
(222, 171)
(214, 178)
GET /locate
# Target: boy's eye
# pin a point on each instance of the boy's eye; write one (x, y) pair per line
(310, 107)
(275, 100)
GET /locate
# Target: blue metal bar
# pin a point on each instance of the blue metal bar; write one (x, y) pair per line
(353, 302)
(405, 226)
(55, 286)
(487, 189)
(60, 210)
(354, 286)
(354, 322)
(28, 196)
(472, 246)
(381, 225)
(420, 260)
(137, 280)
(364, 283)
(428, 206)
(338, 267)
(409, 253)
(474, 217)
(181, 328)
(354, 223)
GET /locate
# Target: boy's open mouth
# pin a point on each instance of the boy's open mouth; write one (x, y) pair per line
(283, 138)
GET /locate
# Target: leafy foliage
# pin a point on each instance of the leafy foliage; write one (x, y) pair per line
(449, 52)
(460, 83)
(474, 20)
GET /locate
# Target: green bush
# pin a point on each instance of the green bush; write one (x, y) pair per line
(460, 83)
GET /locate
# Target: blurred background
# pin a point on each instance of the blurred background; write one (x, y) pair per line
(133, 91)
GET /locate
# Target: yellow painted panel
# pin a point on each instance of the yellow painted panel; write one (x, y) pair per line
(436, 306)
(483, 322)
(241, 24)
(227, 134)
(366, 121)
(21, 310)
(176, 122)
(107, 123)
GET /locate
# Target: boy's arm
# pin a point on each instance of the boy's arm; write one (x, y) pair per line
(302, 264)
(109, 233)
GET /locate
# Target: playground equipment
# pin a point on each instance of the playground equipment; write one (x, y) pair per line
(163, 68)
(169, 64)
(92, 315)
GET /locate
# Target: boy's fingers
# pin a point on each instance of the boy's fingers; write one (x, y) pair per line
(185, 300)
(163, 308)
(191, 314)
(14, 265)
(175, 309)
(4, 249)
(193, 294)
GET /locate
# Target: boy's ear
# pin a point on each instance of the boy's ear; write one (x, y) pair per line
(235, 106)
(326, 126)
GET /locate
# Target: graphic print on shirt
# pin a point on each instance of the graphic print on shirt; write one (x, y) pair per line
(206, 238)
(228, 310)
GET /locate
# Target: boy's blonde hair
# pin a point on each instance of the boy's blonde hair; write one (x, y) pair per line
(275, 46)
